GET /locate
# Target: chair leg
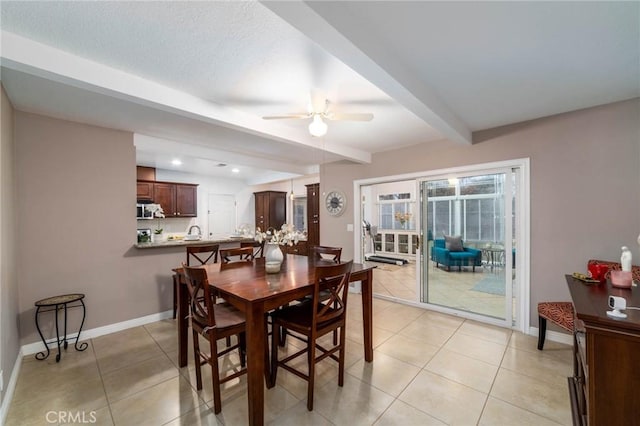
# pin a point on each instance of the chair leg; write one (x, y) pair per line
(242, 342)
(335, 332)
(175, 295)
(275, 328)
(542, 331)
(311, 361)
(341, 356)
(215, 374)
(196, 356)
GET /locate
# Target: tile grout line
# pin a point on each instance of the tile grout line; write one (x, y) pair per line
(104, 389)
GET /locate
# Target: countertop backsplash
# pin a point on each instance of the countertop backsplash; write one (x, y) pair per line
(172, 226)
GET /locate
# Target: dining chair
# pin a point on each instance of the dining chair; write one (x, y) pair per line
(310, 321)
(327, 253)
(196, 255)
(236, 255)
(258, 247)
(214, 322)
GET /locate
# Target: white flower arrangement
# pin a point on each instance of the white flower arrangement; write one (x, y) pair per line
(286, 235)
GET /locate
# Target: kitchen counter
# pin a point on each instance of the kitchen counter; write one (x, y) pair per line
(181, 243)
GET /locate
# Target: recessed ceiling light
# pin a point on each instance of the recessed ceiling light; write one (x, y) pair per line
(176, 162)
(235, 170)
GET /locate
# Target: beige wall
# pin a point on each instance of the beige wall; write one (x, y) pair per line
(76, 186)
(76, 194)
(585, 187)
(9, 345)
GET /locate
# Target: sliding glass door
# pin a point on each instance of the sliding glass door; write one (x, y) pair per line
(468, 223)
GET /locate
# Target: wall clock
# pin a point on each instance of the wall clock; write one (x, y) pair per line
(335, 202)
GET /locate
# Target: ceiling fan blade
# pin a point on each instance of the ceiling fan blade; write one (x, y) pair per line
(349, 117)
(286, 116)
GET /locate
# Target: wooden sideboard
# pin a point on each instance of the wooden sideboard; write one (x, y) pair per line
(605, 388)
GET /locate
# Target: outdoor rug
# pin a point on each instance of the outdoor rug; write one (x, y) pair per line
(491, 283)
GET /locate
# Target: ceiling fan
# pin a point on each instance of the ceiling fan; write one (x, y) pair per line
(318, 127)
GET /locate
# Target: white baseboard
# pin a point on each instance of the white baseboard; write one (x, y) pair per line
(11, 387)
(36, 347)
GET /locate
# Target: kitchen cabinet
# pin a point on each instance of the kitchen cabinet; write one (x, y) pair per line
(144, 190)
(313, 214)
(176, 199)
(146, 173)
(271, 209)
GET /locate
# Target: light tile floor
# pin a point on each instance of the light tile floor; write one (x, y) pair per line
(428, 369)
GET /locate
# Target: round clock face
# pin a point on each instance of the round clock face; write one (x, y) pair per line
(335, 202)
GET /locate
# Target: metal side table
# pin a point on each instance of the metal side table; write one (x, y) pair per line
(57, 303)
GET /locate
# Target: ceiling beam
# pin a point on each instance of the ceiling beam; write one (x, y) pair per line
(337, 30)
(25, 55)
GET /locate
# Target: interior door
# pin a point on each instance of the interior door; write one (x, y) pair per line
(222, 215)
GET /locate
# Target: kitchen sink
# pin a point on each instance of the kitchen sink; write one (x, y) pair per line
(192, 237)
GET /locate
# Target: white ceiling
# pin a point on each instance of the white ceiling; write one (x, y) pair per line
(193, 79)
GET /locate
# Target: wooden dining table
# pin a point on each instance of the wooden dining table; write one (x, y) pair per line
(255, 292)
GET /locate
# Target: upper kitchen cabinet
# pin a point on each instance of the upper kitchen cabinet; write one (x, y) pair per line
(313, 214)
(271, 209)
(145, 173)
(144, 190)
(176, 199)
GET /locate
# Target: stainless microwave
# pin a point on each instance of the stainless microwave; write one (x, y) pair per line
(143, 211)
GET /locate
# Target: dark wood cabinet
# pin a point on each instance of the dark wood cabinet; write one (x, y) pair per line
(176, 199)
(186, 200)
(271, 209)
(301, 248)
(146, 173)
(604, 388)
(313, 214)
(144, 190)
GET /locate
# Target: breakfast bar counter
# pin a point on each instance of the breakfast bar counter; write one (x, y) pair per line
(184, 243)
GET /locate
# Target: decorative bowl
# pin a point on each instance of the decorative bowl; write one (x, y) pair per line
(621, 279)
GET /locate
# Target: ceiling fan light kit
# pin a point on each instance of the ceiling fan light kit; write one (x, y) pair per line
(317, 127)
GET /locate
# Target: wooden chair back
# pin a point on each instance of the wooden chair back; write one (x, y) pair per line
(202, 300)
(330, 292)
(258, 248)
(236, 255)
(327, 253)
(201, 255)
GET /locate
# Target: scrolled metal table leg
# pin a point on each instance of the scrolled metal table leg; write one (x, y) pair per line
(82, 345)
(40, 355)
(64, 337)
(58, 334)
